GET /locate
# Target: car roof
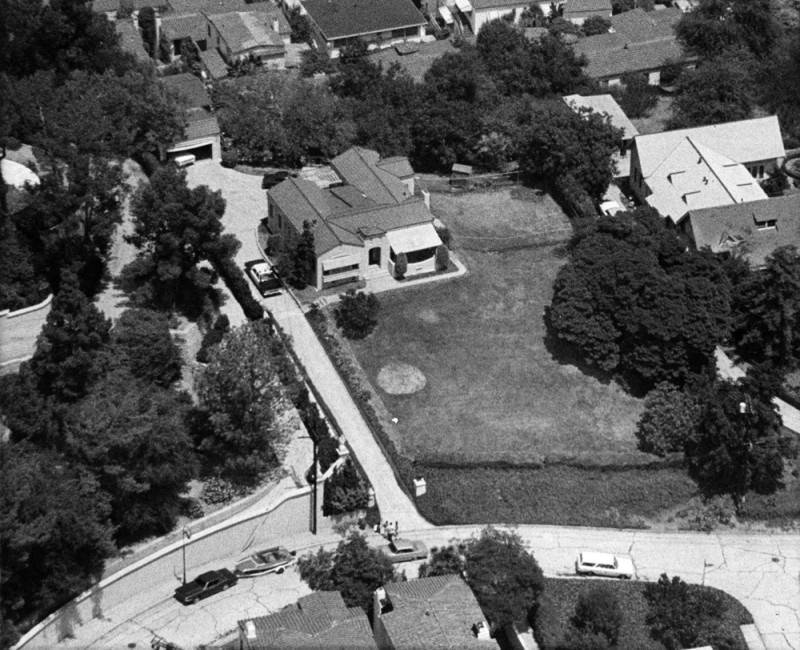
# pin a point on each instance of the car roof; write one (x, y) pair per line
(597, 558)
(207, 576)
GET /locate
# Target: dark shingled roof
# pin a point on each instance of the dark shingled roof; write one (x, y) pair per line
(342, 18)
(208, 6)
(214, 63)
(190, 26)
(581, 6)
(733, 228)
(190, 89)
(360, 167)
(130, 40)
(319, 621)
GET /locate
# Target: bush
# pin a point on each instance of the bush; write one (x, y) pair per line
(637, 97)
(219, 490)
(230, 158)
(598, 612)
(345, 491)
(357, 314)
(442, 258)
(213, 337)
(594, 25)
(669, 419)
(234, 278)
(400, 266)
(445, 235)
(574, 200)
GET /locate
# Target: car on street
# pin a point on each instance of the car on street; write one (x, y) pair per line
(605, 565)
(271, 179)
(405, 550)
(264, 277)
(205, 585)
(271, 560)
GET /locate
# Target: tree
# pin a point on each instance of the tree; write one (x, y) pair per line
(668, 421)
(715, 92)
(767, 312)
(300, 25)
(147, 26)
(505, 53)
(134, 439)
(635, 302)
(737, 445)
(594, 25)
(354, 568)
(142, 338)
(69, 347)
(556, 141)
(175, 228)
(357, 313)
(240, 393)
(19, 286)
(637, 97)
(598, 612)
(344, 491)
(684, 616)
(315, 61)
(56, 534)
(505, 578)
(444, 561)
(298, 265)
(533, 16)
(557, 69)
(780, 84)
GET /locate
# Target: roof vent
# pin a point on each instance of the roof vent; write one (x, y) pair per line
(250, 627)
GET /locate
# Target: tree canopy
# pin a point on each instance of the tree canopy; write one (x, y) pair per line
(143, 339)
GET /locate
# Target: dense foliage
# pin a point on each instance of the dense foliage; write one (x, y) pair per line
(357, 313)
(669, 418)
(345, 491)
(598, 613)
(634, 302)
(143, 336)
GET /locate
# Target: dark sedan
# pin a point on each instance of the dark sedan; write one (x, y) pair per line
(205, 585)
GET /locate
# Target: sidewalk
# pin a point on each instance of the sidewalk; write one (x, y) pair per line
(394, 504)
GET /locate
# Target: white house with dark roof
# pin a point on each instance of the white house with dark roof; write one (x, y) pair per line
(364, 212)
(436, 612)
(378, 22)
(706, 166)
(577, 11)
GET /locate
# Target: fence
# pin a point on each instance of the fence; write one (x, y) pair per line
(472, 183)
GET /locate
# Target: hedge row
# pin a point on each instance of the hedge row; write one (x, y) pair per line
(233, 276)
(572, 198)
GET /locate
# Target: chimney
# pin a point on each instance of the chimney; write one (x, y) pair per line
(250, 627)
(276, 25)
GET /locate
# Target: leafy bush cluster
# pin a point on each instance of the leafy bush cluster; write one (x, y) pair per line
(234, 277)
(357, 313)
(345, 491)
(217, 490)
(213, 337)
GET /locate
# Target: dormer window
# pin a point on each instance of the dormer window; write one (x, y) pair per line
(766, 224)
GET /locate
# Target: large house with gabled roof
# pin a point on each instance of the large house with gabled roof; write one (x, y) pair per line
(364, 212)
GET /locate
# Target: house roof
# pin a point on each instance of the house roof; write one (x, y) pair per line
(189, 88)
(246, 30)
(320, 620)
(734, 228)
(106, 6)
(608, 105)
(200, 124)
(581, 6)
(342, 18)
(360, 167)
(397, 166)
(639, 26)
(742, 141)
(436, 612)
(188, 26)
(491, 4)
(695, 176)
(214, 63)
(182, 7)
(384, 218)
(130, 40)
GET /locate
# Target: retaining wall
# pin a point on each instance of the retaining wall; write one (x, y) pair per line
(19, 330)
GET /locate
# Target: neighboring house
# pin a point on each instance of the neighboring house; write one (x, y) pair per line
(246, 35)
(318, 621)
(176, 29)
(130, 39)
(639, 42)
(111, 7)
(364, 212)
(607, 105)
(378, 22)
(477, 13)
(577, 11)
(437, 612)
(706, 166)
(202, 132)
(750, 230)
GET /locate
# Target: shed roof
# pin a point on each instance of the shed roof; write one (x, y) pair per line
(608, 105)
(735, 228)
(187, 26)
(214, 63)
(342, 18)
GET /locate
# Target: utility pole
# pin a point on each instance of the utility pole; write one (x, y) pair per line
(186, 535)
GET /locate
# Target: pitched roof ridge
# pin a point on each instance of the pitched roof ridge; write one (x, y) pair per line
(371, 169)
(373, 208)
(699, 147)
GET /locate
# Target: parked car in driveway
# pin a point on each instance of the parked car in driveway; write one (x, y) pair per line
(264, 277)
(270, 560)
(605, 565)
(405, 550)
(205, 585)
(271, 179)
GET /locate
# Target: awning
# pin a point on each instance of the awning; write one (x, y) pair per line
(447, 17)
(464, 6)
(338, 263)
(413, 238)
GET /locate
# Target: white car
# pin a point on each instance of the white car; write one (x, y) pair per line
(610, 208)
(605, 565)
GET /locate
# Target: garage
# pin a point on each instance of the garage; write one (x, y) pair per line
(200, 152)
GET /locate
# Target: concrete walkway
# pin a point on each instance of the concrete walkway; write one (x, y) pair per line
(395, 505)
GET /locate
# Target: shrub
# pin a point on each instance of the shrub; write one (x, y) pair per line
(400, 266)
(442, 258)
(234, 278)
(357, 314)
(598, 612)
(445, 235)
(344, 491)
(317, 427)
(230, 158)
(219, 490)
(213, 337)
(637, 97)
(669, 418)
(575, 200)
(594, 25)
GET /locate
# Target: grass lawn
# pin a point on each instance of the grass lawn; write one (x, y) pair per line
(656, 120)
(494, 392)
(557, 605)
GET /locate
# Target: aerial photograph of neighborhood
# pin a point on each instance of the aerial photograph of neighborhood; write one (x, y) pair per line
(400, 324)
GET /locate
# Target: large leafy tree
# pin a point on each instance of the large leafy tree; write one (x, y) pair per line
(556, 141)
(737, 445)
(634, 302)
(142, 338)
(505, 578)
(669, 419)
(354, 568)
(780, 84)
(240, 393)
(133, 437)
(506, 54)
(175, 228)
(767, 312)
(71, 344)
(598, 613)
(56, 534)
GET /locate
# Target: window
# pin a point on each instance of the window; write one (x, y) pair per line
(340, 269)
(761, 171)
(767, 224)
(208, 27)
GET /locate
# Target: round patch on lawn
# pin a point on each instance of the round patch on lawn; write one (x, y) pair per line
(401, 378)
(429, 316)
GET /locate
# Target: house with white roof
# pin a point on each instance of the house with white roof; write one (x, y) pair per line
(707, 166)
(364, 213)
